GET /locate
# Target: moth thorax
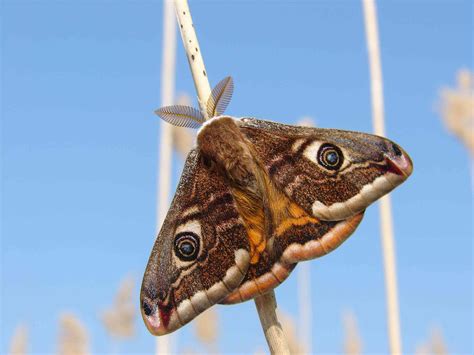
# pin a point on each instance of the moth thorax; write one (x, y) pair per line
(221, 143)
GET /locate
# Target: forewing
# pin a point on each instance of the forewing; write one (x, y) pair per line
(371, 166)
(297, 183)
(175, 291)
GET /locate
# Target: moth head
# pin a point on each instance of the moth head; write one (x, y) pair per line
(350, 170)
(186, 116)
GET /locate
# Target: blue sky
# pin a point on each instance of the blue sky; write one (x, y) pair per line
(80, 81)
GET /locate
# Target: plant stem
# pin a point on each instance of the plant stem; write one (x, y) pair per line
(266, 304)
(168, 64)
(193, 52)
(386, 223)
(266, 307)
(305, 305)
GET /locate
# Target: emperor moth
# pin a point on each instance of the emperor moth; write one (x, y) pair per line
(255, 198)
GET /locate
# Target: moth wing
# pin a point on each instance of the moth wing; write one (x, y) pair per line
(181, 116)
(298, 237)
(369, 166)
(174, 291)
(220, 97)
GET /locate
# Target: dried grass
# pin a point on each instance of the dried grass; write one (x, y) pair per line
(206, 326)
(457, 109)
(435, 345)
(352, 339)
(306, 121)
(305, 301)
(19, 342)
(73, 337)
(119, 319)
(289, 329)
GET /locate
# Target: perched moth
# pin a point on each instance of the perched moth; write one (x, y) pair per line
(256, 197)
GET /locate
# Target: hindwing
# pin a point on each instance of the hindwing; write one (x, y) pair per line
(294, 236)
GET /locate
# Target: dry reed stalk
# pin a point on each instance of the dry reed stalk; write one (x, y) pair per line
(352, 341)
(266, 304)
(305, 303)
(19, 342)
(119, 320)
(206, 326)
(266, 307)
(295, 344)
(457, 109)
(388, 244)
(183, 138)
(168, 64)
(73, 336)
(193, 52)
(304, 284)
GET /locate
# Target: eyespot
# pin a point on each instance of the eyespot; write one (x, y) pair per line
(330, 156)
(186, 246)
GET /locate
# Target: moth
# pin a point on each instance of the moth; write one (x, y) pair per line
(254, 199)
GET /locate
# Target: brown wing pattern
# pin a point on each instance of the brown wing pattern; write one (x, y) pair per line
(370, 166)
(312, 208)
(175, 290)
(294, 236)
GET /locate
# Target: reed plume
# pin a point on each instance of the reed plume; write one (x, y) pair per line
(434, 345)
(438, 345)
(206, 326)
(119, 319)
(295, 343)
(73, 337)
(457, 109)
(19, 342)
(306, 121)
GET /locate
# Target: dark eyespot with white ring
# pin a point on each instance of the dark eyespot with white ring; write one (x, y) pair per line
(186, 246)
(330, 156)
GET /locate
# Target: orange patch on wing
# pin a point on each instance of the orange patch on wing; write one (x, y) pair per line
(257, 245)
(250, 208)
(291, 222)
(296, 217)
